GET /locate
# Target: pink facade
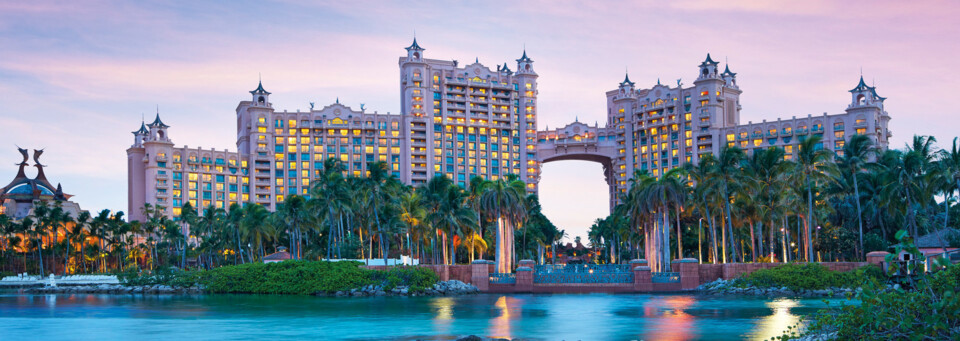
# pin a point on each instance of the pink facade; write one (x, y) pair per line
(663, 127)
(471, 120)
(456, 121)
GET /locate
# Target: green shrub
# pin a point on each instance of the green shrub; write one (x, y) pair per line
(927, 311)
(810, 276)
(416, 278)
(310, 277)
(163, 276)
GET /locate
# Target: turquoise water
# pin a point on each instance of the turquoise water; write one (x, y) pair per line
(528, 317)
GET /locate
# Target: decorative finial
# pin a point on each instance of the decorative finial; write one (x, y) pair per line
(311, 106)
(477, 60)
(338, 99)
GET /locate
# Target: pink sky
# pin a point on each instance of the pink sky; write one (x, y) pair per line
(75, 78)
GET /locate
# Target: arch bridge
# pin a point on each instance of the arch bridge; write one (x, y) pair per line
(579, 141)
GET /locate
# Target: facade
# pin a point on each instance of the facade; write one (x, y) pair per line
(472, 120)
(455, 121)
(663, 127)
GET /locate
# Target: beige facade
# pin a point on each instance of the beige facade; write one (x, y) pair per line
(456, 121)
(663, 127)
(471, 120)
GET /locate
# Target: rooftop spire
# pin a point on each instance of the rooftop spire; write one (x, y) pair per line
(414, 46)
(259, 90)
(524, 58)
(626, 80)
(726, 71)
(708, 61)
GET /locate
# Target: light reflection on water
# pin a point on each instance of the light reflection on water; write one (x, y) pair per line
(527, 317)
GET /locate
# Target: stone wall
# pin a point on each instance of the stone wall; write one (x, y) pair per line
(692, 274)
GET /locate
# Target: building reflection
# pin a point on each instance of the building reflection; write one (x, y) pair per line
(443, 313)
(776, 323)
(508, 309)
(668, 319)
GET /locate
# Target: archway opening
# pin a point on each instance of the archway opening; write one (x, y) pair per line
(573, 194)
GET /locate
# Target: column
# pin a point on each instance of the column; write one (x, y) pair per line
(642, 280)
(480, 274)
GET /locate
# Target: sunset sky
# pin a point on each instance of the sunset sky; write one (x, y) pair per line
(76, 77)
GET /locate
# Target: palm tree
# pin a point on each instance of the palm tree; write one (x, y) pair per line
(728, 173)
(413, 215)
(75, 234)
(701, 174)
(506, 201)
(949, 165)
(476, 187)
(812, 163)
(382, 188)
(255, 225)
(328, 198)
(856, 154)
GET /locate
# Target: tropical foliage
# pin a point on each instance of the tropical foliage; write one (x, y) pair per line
(343, 217)
(775, 205)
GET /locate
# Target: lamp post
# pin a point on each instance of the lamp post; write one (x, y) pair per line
(699, 243)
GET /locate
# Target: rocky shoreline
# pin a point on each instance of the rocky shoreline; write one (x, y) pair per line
(722, 287)
(116, 289)
(447, 288)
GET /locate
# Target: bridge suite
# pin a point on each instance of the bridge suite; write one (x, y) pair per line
(579, 141)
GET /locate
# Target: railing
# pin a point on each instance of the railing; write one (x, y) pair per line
(583, 273)
(503, 278)
(665, 277)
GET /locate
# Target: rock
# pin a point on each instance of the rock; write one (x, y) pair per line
(470, 338)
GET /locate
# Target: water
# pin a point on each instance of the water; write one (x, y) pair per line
(529, 317)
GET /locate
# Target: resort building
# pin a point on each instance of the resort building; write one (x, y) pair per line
(471, 120)
(457, 121)
(663, 127)
(18, 199)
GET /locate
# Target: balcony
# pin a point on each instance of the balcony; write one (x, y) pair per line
(161, 158)
(161, 176)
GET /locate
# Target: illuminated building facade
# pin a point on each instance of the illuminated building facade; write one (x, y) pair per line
(471, 120)
(455, 121)
(663, 127)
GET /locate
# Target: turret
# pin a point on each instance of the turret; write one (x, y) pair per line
(865, 95)
(415, 52)
(140, 135)
(525, 65)
(158, 131)
(627, 87)
(708, 69)
(729, 78)
(261, 97)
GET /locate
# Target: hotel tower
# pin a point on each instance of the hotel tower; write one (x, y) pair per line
(471, 120)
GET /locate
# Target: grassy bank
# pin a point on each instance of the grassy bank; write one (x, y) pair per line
(289, 277)
(809, 276)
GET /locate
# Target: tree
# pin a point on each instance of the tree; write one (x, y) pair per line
(856, 154)
(505, 200)
(812, 163)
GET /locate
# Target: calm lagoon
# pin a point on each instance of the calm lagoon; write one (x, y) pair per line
(528, 317)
